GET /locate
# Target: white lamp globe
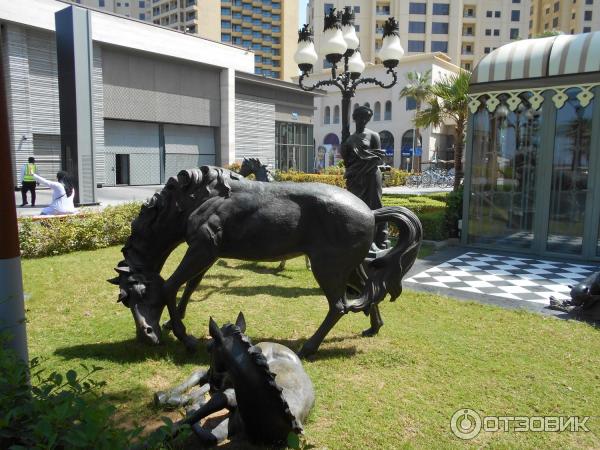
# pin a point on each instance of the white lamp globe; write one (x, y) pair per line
(356, 65)
(305, 56)
(391, 50)
(334, 45)
(348, 30)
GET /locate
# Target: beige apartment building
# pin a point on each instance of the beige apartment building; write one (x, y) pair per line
(267, 27)
(465, 30)
(567, 16)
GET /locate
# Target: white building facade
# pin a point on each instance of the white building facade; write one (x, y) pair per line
(466, 30)
(392, 118)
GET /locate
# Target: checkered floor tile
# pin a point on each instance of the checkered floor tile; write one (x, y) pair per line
(525, 279)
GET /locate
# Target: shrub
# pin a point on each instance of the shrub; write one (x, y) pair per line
(301, 177)
(56, 411)
(454, 209)
(417, 203)
(54, 236)
(395, 177)
(434, 225)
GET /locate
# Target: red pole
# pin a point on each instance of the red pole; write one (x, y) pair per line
(12, 311)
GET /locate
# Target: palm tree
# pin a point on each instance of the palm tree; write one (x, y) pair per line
(417, 88)
(448, 99)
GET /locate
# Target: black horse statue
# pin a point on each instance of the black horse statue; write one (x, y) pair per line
(220, 214)
(264, 387)
(262, 173)
(254, 166)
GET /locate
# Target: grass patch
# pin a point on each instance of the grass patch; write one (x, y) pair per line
(397, 390)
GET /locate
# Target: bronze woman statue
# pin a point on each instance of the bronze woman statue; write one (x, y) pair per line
(363, 155)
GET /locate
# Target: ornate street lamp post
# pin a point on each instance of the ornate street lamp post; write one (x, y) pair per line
(341, 43)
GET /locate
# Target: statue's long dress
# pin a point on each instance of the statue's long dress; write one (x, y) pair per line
(363, 177)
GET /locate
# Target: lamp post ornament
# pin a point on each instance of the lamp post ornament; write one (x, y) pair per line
(340, 42)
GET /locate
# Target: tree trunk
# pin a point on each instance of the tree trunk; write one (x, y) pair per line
(458, 153)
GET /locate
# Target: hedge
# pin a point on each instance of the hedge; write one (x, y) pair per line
(417, 203)
(58, 235)
(302, 177)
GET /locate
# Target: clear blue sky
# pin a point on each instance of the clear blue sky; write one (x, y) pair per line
(302, 17)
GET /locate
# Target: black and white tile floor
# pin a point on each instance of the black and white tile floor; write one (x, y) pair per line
(508, 277)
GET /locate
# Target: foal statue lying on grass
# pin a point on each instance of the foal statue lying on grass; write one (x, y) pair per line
(264, 387)
(218, 214)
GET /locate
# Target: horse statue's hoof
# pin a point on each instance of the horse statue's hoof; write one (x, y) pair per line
(369, 332)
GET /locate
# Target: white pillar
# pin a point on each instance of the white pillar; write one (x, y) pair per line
(227, 129)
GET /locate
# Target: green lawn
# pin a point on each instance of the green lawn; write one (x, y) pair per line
(398, 390)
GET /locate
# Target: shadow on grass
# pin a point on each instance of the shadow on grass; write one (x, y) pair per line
(269, 289)
(256, 268)
(133, 351)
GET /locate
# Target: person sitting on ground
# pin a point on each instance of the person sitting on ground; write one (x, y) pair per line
(63, 194)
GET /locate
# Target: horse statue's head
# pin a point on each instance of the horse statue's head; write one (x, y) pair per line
(155, 233)
(254, 166)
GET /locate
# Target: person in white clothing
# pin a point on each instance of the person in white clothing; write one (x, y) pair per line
(63, 194)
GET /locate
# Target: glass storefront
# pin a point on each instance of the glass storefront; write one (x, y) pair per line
(505, 152)
(294, 146)
(570, 170)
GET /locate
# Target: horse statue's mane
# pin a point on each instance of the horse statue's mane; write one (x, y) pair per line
(190, 188)
(257, 357)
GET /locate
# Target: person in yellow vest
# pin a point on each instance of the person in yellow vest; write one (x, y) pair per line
(28, 182)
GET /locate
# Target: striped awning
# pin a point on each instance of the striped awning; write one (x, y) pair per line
(540, 58)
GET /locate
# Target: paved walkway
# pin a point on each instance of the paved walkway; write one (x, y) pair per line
(414, 190)
(106, 196)
(497, 278)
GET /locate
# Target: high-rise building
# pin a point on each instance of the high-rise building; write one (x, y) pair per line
(567, 16)
(267, 27)
(465, 30)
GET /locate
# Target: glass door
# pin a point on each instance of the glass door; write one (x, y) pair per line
(569, 177)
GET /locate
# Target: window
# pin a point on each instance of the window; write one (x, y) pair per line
(587, 15)
(497, 14)
(411, 103)
(514, 33)
(416, 46)
(357, 9)
(589, 2)
(573, 17)
(377, 112)
(387, 115)
(225, 24)
(515, 15)
(417, 8)
(555, 22)
(488, 31)
(441, 9)
(439, 27)
(327, 7)
(237, 40)
(225, 37)
(327, 64)
(556, 7)
(327, 118)
(142, 16)
(101, 3)
(336, 114)
(357, 28)
(142, 4)
(439, 46)
(587, 29)
(247, 31)
(467, 66)
(516, 1)
(416, 27)
(486, 50)
(488, 14)
(225, 11)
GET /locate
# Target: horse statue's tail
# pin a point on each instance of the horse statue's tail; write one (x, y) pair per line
(384, 273)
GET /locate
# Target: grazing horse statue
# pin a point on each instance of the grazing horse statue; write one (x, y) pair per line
(218, 213)
(264, 387)
(262, 173)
